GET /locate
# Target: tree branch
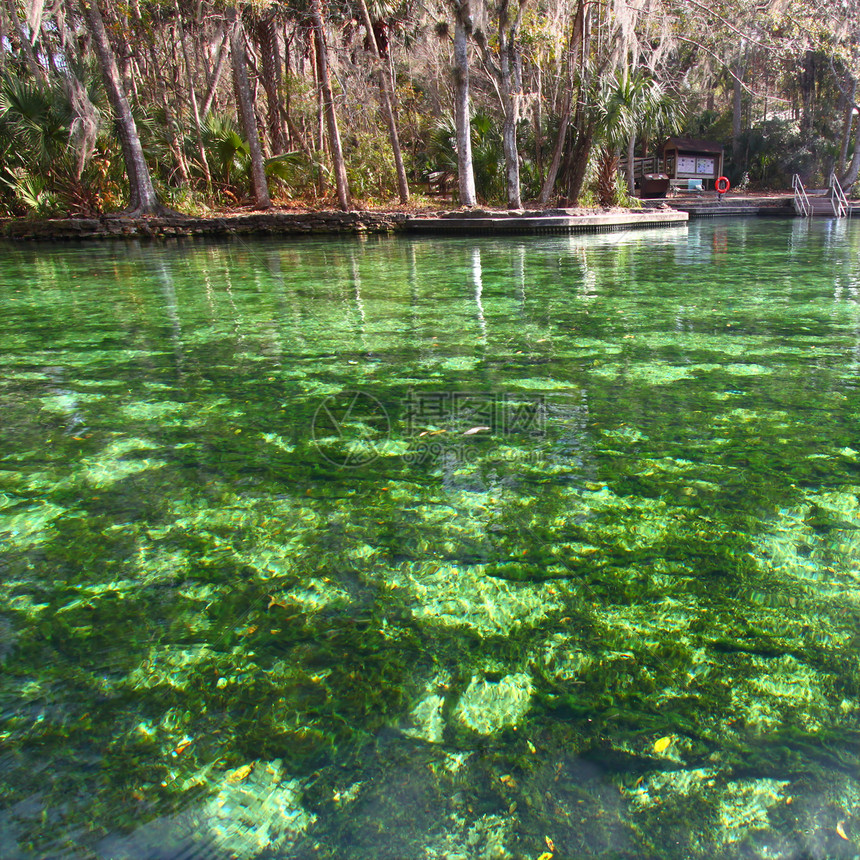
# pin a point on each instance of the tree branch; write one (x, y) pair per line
(728, 68)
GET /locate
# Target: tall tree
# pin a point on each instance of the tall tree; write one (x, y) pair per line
(215, 77)
(575, 57)
(271, 74)
(508, 72)
(386, 97)
(465, 168)
(192, 95)
(738, 74)
(847, 123)
(246, 111)
(852, 172)
(142, 197)
(648, 109)
(338, 162)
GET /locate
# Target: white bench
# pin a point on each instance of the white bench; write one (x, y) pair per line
(694, 185)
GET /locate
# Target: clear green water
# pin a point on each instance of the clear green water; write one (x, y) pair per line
(248, 610)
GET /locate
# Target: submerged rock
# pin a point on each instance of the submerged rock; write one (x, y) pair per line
(256, 812)
(483, 839)
(735, 808)
(261, 812)
(425, 720)
(487, 706)
(744, 805)
(464, 595)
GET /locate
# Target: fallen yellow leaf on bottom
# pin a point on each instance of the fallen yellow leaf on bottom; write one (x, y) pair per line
(840, 829)
(545, 856)
(662, 744)
(240, 773)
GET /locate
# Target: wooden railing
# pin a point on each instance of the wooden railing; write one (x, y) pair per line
(641, 166)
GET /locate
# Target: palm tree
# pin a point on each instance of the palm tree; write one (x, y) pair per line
(35, 120)
(658, 113)
(629, 106)
(486, 148)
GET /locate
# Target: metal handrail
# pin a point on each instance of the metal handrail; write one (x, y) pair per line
(801, 201)
(841, 209)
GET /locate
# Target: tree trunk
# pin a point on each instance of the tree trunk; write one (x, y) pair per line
(846, 128)
(142, 197)
(538, 121)
(579, 163)
(576, 162)
(216, 76)
(630, 172)
(387, 99)
(512, 161)
(737, 106)
(285, 82)
(465, 169)
(807, 94)
(558, 151)
(270, 61)
(328, 102)
(578, 35)
(510, 78)
(246, 112)
(737, 93)
(192, 95)
(3, 38)
(853, 171)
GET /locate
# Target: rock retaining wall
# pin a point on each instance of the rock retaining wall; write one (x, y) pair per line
(280, 223)
(461, 222)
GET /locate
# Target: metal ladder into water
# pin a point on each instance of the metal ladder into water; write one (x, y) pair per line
(802, 206)
(841, 209)
(830, 201)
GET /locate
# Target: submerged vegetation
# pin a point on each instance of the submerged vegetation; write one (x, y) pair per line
(627, 627)
(218, 104)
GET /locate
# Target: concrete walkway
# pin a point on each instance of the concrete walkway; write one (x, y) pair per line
(545, 221)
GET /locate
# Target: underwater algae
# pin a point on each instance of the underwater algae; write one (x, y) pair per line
(625, 627)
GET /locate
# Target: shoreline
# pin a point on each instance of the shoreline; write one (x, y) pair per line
(379, 222)
(335, 223)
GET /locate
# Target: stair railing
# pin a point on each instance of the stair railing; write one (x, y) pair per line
(841, 209)
(801, 200)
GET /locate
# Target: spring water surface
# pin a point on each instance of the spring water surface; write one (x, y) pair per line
(436, 548)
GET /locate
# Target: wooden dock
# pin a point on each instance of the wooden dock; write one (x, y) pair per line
(542, 221)
(710, 205)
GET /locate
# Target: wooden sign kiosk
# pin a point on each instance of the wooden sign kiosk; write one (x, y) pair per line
(688, 162)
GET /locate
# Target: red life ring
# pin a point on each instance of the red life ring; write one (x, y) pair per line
(722, 185)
